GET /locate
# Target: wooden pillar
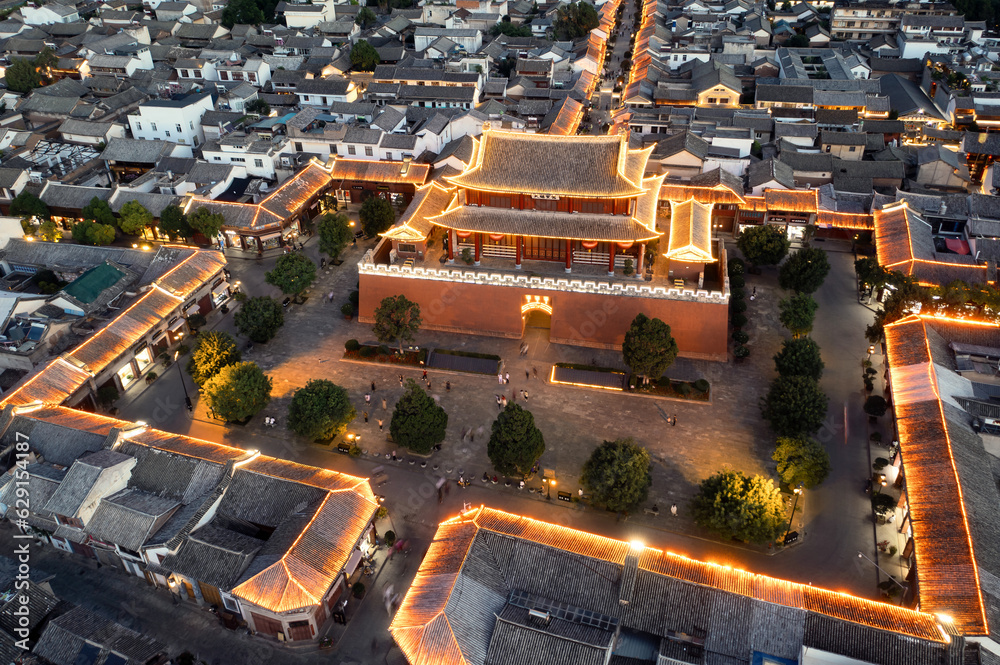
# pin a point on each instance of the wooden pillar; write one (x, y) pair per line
(611, 258)
(479, 246)
(451, 245)
(517, 251)
(569, 255)
(642, 262)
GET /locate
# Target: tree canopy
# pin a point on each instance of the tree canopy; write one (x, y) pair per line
(214, 351)
(511, 30)
(49, 231)
(515, 443)
(574, 21)
(258, 107)
(801, 461)
(797, 313)
(798, 40)
(242, 12)
(93, 233)
(334, 234)
(22, 75)
(206, 222)
(260, 318)
(99, 211)
(27, 204)
(238, 392)
(799, 357)
(366, 18)
(134, 218)
(364, 57)
(320, 410)
(764, 245)
(376, 216)
(418, 422)
(396, 318)
(748, 508)
(794, 405)
(649, 348)
(293, 273)
(804, 271)
(617, 474)
(870, 274)
(173, 222)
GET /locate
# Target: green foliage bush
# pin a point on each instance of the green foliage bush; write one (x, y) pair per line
(739, 306)
(367, 351)
(352, 345)
(741, 337)
(738, 320)
(737, 281)
(736, 266)
(701, 385)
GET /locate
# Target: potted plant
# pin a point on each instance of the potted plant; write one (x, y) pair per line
(390, 538)
(358, 590)
(347, 310)
(741, 352)
(627, 269)
(875, 406)
(150, 378)
(467, 256)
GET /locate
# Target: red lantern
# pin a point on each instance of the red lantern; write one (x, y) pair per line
(589, 244)
(496, 236)
(625, 245)
(463, 234)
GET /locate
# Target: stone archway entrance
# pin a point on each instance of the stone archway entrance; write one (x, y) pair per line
(536, 319)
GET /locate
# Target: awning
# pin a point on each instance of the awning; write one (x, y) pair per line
(270, 236)
(220, 289)
(176, 325)
(957, 246)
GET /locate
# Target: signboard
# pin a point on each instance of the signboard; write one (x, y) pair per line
(565, 496)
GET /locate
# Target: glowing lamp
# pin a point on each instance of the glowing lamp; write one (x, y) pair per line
(637, 545)
(496, 236)
(589, 244)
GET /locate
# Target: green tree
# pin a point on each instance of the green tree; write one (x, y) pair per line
(46, 60)
(376, 216)
(242, 12)
(293, 273)
(334, 234)
(364, 57)
(794, 406)
(396, 318)
(237, 392)
(93, 233)
(804, 271)
(320, 410)
(206, 222)
(366, 18)
(797, 313)
(735, 505)
(801, 461)
(27, 205)
(799, 357)
(99, 211)
(214, 351)
(22, 75)
(574, 21)
(511, 30)
(515, 443)
(49, 231)
(260, 318)
(173, 223)
(258, 107)
(134, 218)
(418, 422)
(649, 348)
(618, 474)
(764, 245)
(798, 40)
(870, 274)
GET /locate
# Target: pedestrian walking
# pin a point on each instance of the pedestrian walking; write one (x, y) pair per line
(527, 375)
(506, 377)
(330, 296)
(534, 371)
(384, 405)
(673, 422)
(673, 510)
(447, 386)
(524, 394)
(380, 424)
(368, 398)
(500, 378)
(503, 402)
(366, 416)
(425, 375)
(373, 386)
(428, 385)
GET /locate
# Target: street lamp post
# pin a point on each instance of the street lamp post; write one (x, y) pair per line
(187, 398)
(862, 556)
(795, 503)
(549, 483)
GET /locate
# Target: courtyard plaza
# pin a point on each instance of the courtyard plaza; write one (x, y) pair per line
(727, 433)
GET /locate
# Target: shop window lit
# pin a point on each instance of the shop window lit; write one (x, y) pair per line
(144, 359)
(126, 375)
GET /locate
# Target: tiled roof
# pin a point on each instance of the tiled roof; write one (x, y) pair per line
(690, 232)
(480, 562)
(536, 163)
(415, 224)
(58, 380)
(381, 171)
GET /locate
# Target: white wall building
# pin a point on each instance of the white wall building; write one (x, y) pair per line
(173, 120)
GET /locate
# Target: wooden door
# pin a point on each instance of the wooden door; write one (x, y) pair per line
(210, 594)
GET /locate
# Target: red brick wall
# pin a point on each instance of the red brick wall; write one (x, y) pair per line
(577, 318)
